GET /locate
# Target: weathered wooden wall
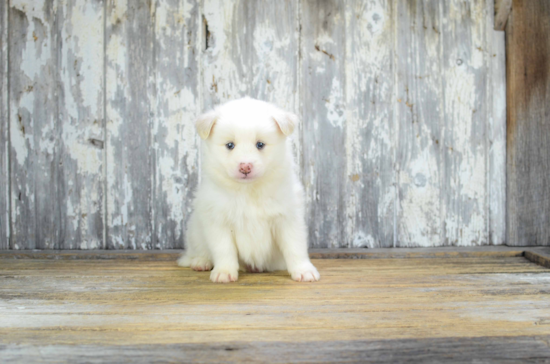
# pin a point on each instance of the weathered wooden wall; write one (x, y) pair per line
(402, 102)
(528, 142)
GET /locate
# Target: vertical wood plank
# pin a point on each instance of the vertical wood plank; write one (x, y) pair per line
(274, 59)
(177, 46)
(496, 138)
(528, 142)
(224, 59)
(464, 77)
(369, 211)
(251, 49)
(418, 114)
(4, 130)
(323, 87)
(80, 122)
(274, 47)
(35, 157)
(56, 105)
(129, 87)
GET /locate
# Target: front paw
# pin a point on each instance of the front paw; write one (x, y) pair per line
(305, 273)
(201, 264)
(224, 275)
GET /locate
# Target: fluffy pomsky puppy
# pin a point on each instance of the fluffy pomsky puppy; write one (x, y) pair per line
(249, 209)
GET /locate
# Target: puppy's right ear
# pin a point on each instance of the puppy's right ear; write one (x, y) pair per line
(205, 122)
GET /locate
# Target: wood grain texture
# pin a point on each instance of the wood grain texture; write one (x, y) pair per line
(419, 115)
(370, 148)
(540, 257)
(528, 143)
(464, 75)
(4, 131)
(129, 114)
(488, 349)
(109, 306)
(323, 98)
(176, 103)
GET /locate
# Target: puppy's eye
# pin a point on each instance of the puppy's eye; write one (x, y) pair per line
(260, 145)
(230, 145)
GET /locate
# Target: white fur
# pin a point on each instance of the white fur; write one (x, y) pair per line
(251, 222)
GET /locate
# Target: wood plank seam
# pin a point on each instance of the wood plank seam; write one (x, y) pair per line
(395, 167)
(496, 91)
(8, 119)
(488, 118)
(105, 135)
(537, 255)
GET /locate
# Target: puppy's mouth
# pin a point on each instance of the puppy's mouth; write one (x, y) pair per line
(246, 176)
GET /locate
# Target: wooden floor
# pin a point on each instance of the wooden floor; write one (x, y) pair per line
(487, 308)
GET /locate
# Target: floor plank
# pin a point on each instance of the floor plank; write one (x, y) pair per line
(485, 350)
(383, 310)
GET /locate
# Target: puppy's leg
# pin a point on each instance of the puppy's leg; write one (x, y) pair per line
(224, 254)
(196, 255)
(253, 269)
(292, 240)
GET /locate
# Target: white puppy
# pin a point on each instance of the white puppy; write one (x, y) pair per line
(249, 209)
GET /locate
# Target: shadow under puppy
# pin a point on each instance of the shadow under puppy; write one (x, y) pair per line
(249, 208)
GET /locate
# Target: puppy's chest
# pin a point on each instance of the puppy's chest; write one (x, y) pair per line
(265, 210)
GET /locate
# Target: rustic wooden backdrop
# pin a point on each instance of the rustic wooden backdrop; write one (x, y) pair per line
(402, 102)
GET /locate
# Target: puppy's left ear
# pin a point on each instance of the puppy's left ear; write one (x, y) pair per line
(286, 121)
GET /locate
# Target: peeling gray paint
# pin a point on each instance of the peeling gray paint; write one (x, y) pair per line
(324, 127)
(80, 118)
(370, 126)
(464, 70)
(55, 108)
(175, 143)
(419, 119)
(129, 114)
(35, 159)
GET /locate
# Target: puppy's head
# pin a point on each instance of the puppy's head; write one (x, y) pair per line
(245, 139)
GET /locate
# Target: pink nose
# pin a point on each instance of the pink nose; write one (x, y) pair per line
(245, 168)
